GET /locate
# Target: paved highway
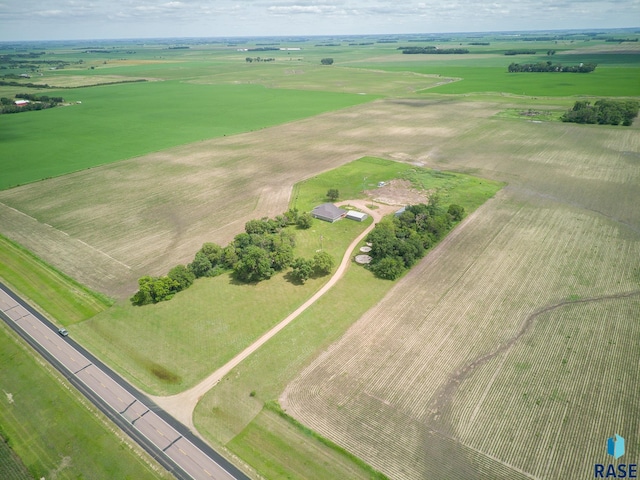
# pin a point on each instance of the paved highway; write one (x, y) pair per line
(168, 441)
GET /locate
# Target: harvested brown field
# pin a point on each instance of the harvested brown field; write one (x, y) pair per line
(74, 81)
(495, 356)
(110, 225)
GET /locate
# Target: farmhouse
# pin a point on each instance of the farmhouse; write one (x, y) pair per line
(357, 216)
(21, 103)
(328, 212)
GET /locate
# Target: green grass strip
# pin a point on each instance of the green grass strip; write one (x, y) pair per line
(274, 406)
(57, 294)
(53, 430)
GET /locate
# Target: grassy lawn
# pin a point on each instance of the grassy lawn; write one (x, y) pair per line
(61, 297)
(365, 173)
(122, 121)
(229, 415)
(54, 431)
(170, 346)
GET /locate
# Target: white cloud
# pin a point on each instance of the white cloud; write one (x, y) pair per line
(22, 19)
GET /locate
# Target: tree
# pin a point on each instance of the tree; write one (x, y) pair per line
(200, 265)
(182, 276)
(292, 216)
(302, 269)
(322, 263)
(305, 220)
(456, 212)
(282, 255)
(154, 290)
(143, 295)
(327, 61)
(389, 268)
(163, 288)
(333, 194)
(254, 265)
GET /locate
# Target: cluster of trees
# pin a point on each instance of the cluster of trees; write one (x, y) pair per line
(550, 67)
(257, 254)
(327, 61)
(432, 50)
(258, 59)
(39, 98)
(157, 289)
(399, 242)
(263, 49)
(36, 103)
(620, 40)
(603, 112)
(11, 83)
(479, 43)
(303, 269)
(520, 52)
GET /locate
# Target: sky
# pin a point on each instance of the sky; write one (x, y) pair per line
(107, 19)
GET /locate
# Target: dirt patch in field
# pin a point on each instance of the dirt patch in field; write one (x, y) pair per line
(398, 192)
(71, 81)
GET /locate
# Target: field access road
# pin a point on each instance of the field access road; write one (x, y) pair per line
(182, 405)
(166, 440)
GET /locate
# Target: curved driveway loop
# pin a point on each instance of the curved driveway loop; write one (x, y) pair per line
(176, 450)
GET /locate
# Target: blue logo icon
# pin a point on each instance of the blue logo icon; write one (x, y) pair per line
(615, 446)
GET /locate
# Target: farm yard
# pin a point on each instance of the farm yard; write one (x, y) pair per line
(510, 351)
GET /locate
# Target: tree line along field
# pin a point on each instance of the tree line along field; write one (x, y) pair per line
(128, 226)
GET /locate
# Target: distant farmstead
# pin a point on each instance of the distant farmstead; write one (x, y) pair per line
(328, 212)
(21, 103)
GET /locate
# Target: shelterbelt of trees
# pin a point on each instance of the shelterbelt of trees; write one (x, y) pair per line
(603, 112)
(266, 247)
(550, 67)
(398, 242)
(432, 50)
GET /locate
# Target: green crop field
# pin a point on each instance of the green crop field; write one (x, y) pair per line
(53, 430)
(604, 81)
(121, 121)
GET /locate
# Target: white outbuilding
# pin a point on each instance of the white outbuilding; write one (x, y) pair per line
(357, 216)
